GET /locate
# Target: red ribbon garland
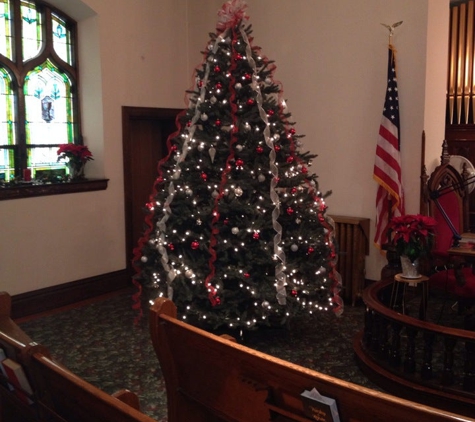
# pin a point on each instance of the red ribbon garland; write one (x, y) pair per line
(137, 251)
(227, 168)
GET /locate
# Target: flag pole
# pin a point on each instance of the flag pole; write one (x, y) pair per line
(391, 33)
(388, 142)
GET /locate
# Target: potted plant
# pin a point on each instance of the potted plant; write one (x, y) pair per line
(77, 156)
(412, 235)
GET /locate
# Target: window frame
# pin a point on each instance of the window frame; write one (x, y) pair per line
(19, 69)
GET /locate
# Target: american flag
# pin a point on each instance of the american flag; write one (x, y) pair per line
(387, 167)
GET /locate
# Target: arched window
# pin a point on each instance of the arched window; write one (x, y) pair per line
(39, 105)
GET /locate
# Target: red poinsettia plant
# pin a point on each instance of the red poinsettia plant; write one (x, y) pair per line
(74, 152)
(412, 235)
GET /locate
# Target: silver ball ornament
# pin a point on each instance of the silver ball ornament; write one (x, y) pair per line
(294, 248)
(235, 230)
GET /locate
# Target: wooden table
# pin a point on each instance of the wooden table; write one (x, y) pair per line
(466, 246)
(403, 282)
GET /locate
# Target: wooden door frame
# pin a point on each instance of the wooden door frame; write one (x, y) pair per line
(129, 114)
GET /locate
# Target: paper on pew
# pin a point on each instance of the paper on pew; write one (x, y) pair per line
(320, 408)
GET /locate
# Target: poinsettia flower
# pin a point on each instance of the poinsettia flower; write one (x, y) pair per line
(412, 235)
(74, 152)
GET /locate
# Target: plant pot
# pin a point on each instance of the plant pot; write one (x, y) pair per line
(76, 170)
(409, 269)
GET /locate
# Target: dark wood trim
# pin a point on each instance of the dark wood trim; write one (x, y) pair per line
(460, 132)
(50, 298)
(29, 190)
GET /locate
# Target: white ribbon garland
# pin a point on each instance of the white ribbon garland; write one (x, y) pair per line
(171, 274)
(278, 251)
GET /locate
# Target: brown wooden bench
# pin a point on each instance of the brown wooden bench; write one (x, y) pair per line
(209, 378)
(57, 393)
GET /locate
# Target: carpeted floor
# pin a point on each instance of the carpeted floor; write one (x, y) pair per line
(100, 343)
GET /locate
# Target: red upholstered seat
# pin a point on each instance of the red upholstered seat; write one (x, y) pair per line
(447, 186)
(446, 280)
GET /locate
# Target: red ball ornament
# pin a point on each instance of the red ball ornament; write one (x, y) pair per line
(188, 123)
(250, 101)
(219, 85)
(290, 211)
(200, 84)
(171, 246)
(149, 206)
(195, 245)
(294, 293)
(226, 221)
(247, 275)
(218, 122)
(270, 112)
(174, 148)
(256, 236)
(293, 190)
(277, 148)
(239, 162)
(259, 150)
(217, 69)
(204, 176)
(290, 159)
(238, 56)
(310, 250)
(292, 131)
(248, 76)
(217, 301)
(304, 170)
(160, 180)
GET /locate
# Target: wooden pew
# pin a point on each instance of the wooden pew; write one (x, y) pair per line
(210, 379)
(58, 394)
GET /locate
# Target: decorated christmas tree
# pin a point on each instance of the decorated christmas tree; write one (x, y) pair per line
(236, 228)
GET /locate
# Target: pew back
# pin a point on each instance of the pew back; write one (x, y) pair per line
(65, 396)
(57, 393)
(210, 379)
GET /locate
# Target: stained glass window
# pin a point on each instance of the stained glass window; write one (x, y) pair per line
(62, 39)
(31, 25)
(38, 111)
(5, 28)
(7, 126)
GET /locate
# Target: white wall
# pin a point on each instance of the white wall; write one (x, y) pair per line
(331, 58)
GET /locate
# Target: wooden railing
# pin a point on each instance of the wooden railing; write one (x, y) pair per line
(426, 362)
